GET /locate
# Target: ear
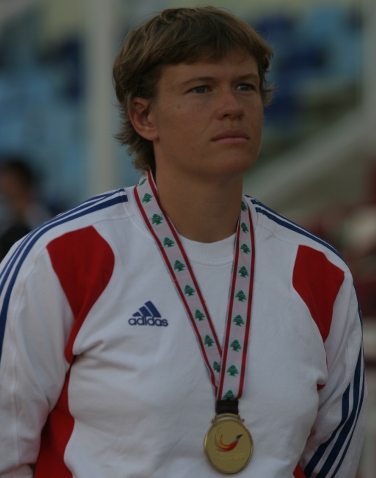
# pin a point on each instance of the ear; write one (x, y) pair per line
(142, 120)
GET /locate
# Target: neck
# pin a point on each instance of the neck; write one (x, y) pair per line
(203, 211)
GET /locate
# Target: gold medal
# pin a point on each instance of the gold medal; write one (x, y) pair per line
(228, 444)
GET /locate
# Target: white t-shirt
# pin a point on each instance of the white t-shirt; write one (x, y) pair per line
(212, 266)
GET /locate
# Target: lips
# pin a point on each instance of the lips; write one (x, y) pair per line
(231, 135)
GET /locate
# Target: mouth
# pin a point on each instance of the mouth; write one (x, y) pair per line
(231, 136)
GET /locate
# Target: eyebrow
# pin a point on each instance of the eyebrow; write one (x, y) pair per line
(204, 79)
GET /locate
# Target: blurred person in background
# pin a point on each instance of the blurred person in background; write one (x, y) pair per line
(132, 320)
(358, 245)
(351, 228)
(23, 209)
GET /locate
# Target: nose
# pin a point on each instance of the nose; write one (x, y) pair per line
(229, 106)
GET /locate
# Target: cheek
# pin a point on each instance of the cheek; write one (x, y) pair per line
(172, 115)
(180, 119)
(174, 130)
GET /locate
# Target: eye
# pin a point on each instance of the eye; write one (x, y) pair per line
(246, 87)
(200, 89)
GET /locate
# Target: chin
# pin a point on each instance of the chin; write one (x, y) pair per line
(231, 171)
(237, 165)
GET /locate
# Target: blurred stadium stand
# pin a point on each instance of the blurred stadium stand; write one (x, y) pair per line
(49, 109)
(316, 70)
(41, 104)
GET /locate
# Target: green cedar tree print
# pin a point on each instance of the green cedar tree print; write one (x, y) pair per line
(209, 342)
(241, 296)
(235, 346)
(188, 290)
(229, 395)
(217, 367)
(168, 242)
(156, 219)
(233, 371)
(243, 272)
(244, 207)
(199, 315)
(244, 227)
(179, 266)
(238, 320)
(245, 249)
(142, 182)
(147, 198)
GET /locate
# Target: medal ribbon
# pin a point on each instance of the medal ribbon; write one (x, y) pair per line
(226, 368)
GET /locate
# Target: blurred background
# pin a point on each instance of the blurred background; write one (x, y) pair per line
(318, 160)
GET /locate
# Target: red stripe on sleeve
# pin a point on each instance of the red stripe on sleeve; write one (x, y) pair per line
(84, 262)
(317, 281)
(298, 472)
(55, 436)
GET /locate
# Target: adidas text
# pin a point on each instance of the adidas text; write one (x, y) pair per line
(148, 321)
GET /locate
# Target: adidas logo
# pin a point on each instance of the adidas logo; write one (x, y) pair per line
(148, 315)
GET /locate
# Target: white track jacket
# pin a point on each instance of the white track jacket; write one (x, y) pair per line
(101, 375)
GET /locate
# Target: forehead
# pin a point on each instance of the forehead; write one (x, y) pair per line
(228, 68)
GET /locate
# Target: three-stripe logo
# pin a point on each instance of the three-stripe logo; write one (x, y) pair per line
(148, 314)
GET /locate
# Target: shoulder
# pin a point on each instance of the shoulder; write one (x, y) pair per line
(284, 231)
(75, 227)
(72, 247)
(316, 271)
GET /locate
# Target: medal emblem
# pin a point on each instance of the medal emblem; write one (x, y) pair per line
(228, 444)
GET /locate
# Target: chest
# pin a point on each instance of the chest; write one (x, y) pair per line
(137, 356)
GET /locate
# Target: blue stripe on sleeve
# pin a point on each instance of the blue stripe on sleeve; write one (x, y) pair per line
(323, 447)
(345, 428)
(349, 442)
